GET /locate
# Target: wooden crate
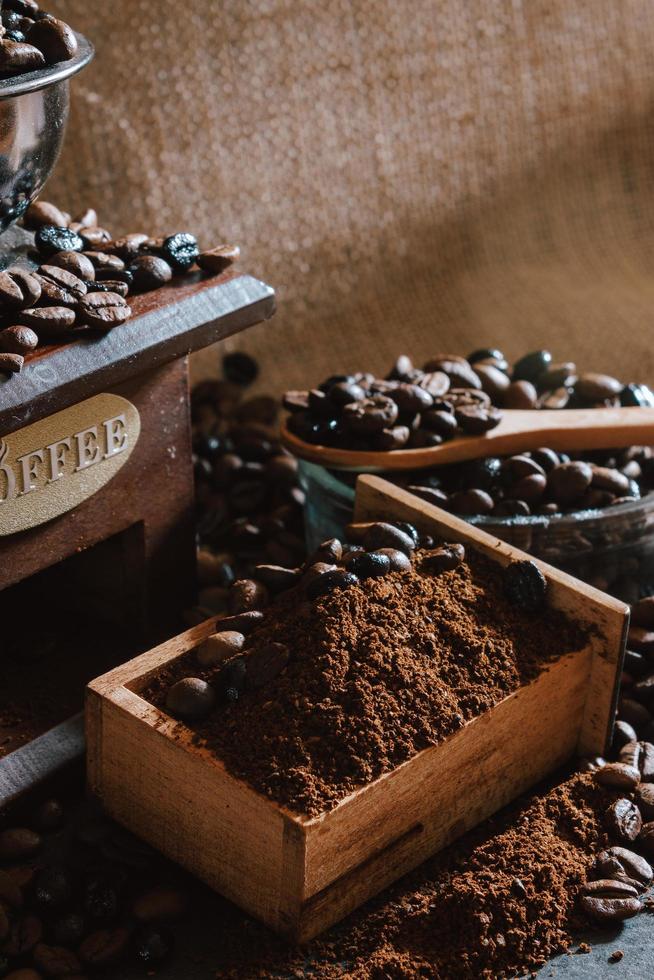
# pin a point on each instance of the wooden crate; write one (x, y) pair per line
(298, 874)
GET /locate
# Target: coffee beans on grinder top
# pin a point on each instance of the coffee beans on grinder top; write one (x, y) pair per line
(83, 276)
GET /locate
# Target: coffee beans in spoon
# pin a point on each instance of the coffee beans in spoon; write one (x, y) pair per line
(82, 269)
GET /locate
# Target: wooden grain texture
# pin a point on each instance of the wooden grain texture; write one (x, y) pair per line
(301, 874)
(167, 323)
(519, 431)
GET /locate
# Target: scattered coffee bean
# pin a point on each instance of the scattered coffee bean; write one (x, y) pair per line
(216, 260)
(43, 213)
(645, 800)
(244, 622)
(532, 366)
(103, 310)
(277, 578)
(18, 843)
(329, 581)
(190, 699)
(104, 947)
(11, 363)
(369, 564)
(525, 585)
(150, 272)
(623, 820)
(59, 287)
(620, 860)
(398, 560)
(443, 559)
(17, 57)
(610, 901)
(17, 340)
(180, 251)
(50, 239)
(56, 961)
(48, 321)
(597, 387)
(619, 775)
(220, 647)
(18, 289)
(382, 535)
(247, 595)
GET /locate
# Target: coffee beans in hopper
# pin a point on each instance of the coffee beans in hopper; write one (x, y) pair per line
(85, 274)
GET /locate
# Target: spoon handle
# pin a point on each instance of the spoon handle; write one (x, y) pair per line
(519, 431)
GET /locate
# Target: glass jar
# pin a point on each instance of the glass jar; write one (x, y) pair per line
(612, 549)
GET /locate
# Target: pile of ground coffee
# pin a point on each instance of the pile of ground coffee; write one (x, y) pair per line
(376, 673)
(498, 903)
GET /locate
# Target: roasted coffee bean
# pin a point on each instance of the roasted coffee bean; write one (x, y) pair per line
(341, 394)
(330, 551)
(75, 262)
(475, 420)
(240, 368)
(638, 396)
(216, 260)
(557, 376)
(330, 581)
(276, 577)
(244, 622)
(546, 458)
(190, 699)
(68, 929)
(641, 639)
(17, 57)
(17, 340)
(11, 363)
(512, 508)
(567, 482)
(529, 488)
(531, 366)
(150, 272)
(609, 901)
(471, 502)
(395, 438)
(525, 585)
(104, 262)
(410, 399)
(59, 287)
(43, 213)
(48, 321)
(398, 560)
(437, 497)
(152, 946)
(18, 843)
(619, 861)
(597, 387)
(50, 239)
(128, 247)
(104, 947)
(644, 801)
(220, 647)
(384, 535)
(606, 478)
(443, 559)
(103, 310)
(486, 354)
(180, 251)
(108, 286)
(442, 423)
(623, 733)
(265, 663)
(641, 756)
(554, 400)
(26, 933)
(590, 763)
(623, 820)
(493, 381)
(370, 415)
(369, 564)
(94, 238)
(618, 775)
(247, 595)
(10, 893)
(520, 394)
(457, 369)
(633, 712)
(435, 383)
(52, 888)
(54, 39)
(56, 961)
(18, 289)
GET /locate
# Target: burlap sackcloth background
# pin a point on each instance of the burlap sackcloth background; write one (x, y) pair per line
(411, 175)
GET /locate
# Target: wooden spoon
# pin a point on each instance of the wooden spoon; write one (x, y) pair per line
(519, 431)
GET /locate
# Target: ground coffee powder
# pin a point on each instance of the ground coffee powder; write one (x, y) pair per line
(376, 673)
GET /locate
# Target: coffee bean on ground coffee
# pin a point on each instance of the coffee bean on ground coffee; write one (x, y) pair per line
(393, 665)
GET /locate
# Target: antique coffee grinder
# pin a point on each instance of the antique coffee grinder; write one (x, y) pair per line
(97, 541)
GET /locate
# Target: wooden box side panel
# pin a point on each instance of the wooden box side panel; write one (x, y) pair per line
(192, 811)
(376, 498)
(389, 827)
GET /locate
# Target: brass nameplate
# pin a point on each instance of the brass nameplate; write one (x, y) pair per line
(50, 467)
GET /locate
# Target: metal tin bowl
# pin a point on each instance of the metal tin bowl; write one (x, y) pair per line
(33, 115)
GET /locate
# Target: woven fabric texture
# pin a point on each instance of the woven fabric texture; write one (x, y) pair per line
(411, 175)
